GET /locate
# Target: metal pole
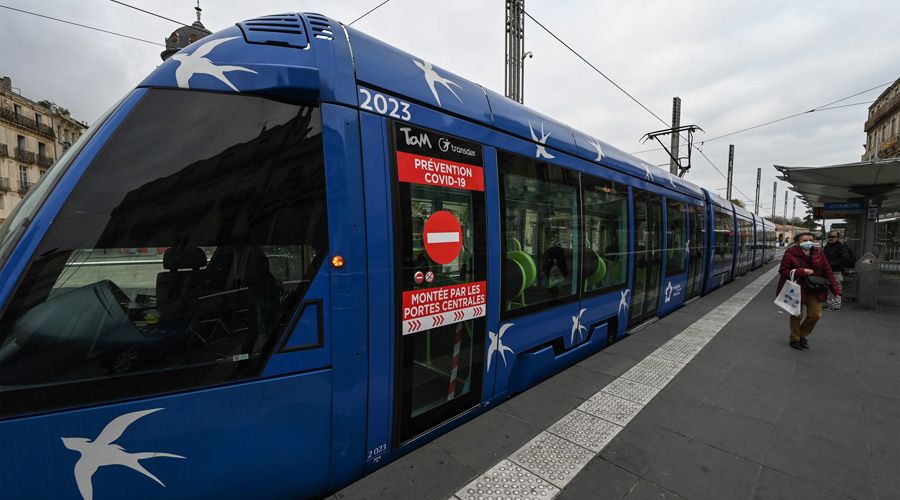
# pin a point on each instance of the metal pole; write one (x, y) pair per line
(774, 194)
(676, 122)
(785, 214)
(758, 180)
(515, 38)
(730, 170)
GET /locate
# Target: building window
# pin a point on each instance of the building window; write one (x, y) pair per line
(24, 185)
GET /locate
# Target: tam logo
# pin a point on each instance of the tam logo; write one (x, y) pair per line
(420, 140)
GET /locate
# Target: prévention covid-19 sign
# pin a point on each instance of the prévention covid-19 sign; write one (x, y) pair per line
(427, 157)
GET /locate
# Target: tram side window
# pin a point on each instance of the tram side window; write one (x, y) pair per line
(173, 266)
(605, 254)
(724, 250)
(676, 237)
(539, 207)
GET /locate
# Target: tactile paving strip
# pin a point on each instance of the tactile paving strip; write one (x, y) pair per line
(552, 458)
(508, 480)
(675, 350)
(631, 390)
(652, 371)
(589, 431)
(608, 407)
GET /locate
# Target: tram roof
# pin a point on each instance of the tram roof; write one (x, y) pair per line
(383, 66)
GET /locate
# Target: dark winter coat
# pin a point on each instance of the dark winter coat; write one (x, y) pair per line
(796, 258)
(838, 256)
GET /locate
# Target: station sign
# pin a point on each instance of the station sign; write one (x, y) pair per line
(428, 157)
(844, 206)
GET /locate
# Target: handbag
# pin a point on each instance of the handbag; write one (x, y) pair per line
(789, 296)
(816, 284)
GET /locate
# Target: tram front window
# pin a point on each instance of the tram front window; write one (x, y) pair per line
(179, 258)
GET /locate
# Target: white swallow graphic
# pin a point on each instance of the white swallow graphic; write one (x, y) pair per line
(541, 149)
(647, 170)
(668, 292)
(497, 345)
(102, 451)
(577, 326)
(622, 302)
(596, 145)
(194, 63)
(432, 77)
(669, 175)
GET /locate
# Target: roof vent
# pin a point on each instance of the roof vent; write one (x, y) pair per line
(285, 30)
(320, 26)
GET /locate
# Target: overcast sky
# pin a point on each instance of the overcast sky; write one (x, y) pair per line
(735, 64)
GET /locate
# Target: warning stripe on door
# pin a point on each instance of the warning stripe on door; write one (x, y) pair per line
(442, 319)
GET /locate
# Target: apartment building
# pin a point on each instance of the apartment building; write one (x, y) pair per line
(32, 137)
(883, 125)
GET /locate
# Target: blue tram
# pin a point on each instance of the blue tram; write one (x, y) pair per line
(294, 253)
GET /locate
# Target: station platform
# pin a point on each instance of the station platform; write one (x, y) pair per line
(709, 402)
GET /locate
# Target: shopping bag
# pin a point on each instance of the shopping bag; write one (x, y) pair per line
(789, 296)
(556, 276)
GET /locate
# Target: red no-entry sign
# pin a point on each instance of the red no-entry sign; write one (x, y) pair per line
(443, 237)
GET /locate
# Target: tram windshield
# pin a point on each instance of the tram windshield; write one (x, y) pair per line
(180, 256)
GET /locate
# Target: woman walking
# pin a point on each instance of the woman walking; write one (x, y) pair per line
(806, 260)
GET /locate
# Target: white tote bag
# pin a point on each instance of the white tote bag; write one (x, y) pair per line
(789, 296)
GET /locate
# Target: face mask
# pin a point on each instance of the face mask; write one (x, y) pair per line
(806, 245)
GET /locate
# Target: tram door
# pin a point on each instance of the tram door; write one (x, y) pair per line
(696, 245)
(441, 275)
(648, 255)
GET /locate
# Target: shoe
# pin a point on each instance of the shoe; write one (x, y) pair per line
(829, 308)
(796, 344)
(804, 343)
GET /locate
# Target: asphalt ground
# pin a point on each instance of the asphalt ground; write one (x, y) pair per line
(709, 402)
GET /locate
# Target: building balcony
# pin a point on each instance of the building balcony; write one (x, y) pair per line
(29, 123)
(25, 155)
(882, 112)
(4, 150)
(44, 161)
(24, 186)
(4, 184)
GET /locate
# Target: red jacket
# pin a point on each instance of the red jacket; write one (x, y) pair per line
(796, 258)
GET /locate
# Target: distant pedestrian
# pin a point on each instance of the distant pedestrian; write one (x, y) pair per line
(806, 260)
(839, 257)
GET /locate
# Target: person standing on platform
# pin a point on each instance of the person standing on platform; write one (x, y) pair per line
(839, 258)
(806, 260)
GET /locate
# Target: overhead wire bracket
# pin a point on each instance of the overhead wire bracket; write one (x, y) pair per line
(682, 168)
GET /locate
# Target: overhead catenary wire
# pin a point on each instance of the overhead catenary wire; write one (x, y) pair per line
(639, 103)
(698, 148)
(367, 13)
(148, 12)
(81, 25)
